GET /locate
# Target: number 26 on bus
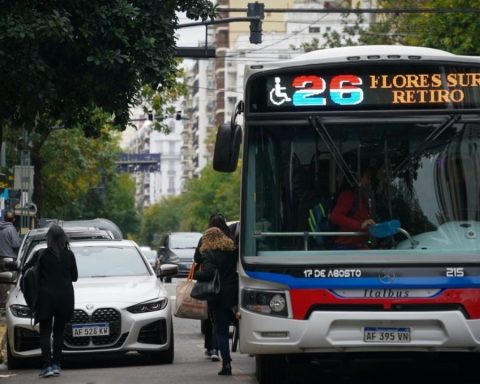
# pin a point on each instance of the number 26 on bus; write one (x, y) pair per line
(312, 89)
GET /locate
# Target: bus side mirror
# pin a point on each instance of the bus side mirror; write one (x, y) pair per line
(227, 147)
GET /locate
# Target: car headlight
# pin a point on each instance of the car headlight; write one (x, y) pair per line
(20, 310)
(151, 306)
(273, 303)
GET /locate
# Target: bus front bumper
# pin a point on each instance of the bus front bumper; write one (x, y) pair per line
(339, 331)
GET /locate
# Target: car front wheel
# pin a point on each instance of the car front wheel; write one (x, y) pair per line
(164, 357)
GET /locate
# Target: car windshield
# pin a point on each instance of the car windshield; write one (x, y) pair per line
(184, 241)
(106, 261)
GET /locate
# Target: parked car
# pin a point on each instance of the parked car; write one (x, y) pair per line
(39, 235)
(150, 255)
(99, 223)
(179, 248)
(120, 304)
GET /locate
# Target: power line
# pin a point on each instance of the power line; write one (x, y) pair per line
(359, 10)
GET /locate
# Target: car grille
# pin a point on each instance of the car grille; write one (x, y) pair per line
(108, 315)
(153, 333)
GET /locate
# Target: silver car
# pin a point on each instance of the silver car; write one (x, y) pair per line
(120, 306)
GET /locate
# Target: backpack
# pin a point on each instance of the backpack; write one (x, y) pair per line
(30, 284)
(319, 221)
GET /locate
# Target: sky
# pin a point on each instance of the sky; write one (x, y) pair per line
(189, 37)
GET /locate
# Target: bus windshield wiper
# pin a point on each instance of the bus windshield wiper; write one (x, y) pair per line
(431, 137)
(334, 151)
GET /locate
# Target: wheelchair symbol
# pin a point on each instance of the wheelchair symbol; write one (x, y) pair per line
(277, 94)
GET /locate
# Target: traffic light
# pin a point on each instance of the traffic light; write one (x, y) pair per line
(256, 10)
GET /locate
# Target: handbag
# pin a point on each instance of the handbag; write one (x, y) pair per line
(185, 306)
(207, 290)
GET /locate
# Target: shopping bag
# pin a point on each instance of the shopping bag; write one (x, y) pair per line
(207, 290)
(186, 306)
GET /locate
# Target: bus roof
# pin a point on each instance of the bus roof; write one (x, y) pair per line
(362, 53)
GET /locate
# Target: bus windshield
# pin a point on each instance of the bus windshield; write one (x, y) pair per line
(424, 178)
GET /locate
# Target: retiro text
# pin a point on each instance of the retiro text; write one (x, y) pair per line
(426, 88)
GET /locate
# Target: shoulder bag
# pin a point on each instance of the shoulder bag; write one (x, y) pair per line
(186, 306)
(207, 290)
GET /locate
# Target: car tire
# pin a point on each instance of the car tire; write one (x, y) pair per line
(12, 361)
(167, 356)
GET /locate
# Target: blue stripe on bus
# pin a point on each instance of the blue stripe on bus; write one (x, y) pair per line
(370, 282)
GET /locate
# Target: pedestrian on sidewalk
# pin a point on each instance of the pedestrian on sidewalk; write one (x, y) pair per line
(216, 220)
(220, 254)
(55, 303)
(9, 244)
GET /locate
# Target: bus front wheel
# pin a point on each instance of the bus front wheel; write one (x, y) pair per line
(270, 369)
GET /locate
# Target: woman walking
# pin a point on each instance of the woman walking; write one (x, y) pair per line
(55, 303)
(219, 253)
(210, 342)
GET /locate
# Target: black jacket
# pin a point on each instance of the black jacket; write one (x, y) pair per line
(226, 262)
(56, 295)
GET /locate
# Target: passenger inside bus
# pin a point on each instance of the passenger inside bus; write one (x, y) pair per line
(354, 212)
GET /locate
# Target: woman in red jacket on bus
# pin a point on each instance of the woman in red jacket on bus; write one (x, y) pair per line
(353, 213)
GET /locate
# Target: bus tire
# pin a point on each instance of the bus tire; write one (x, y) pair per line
(270, 369)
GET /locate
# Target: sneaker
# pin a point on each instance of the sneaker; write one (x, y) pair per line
(46, 372)
(208, 353)
(214, 356)
(56, 369)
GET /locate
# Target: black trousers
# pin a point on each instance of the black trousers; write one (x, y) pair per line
(210, 341)
(57, 325)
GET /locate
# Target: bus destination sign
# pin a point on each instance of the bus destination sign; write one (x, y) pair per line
(371, 87)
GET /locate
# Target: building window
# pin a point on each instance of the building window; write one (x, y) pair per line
(313, 29)
(171, 185)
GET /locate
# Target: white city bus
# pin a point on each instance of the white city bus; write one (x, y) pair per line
(310, 124)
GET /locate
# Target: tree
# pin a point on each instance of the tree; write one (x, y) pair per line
(63, 62)
(213, 192)
(454, 32)
(81, 182)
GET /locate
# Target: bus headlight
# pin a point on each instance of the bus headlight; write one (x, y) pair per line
(273, 303)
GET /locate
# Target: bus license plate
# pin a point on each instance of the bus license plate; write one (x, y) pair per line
(386, 335)
(91, 329)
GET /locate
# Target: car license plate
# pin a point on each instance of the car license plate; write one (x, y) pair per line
(90, 329)
(386, 335)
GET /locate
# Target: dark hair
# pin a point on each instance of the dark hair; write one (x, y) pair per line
(218, 220)
(9, 216)
(57, 240)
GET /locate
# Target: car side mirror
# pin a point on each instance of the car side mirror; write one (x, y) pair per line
(167, 270)
(11, 266)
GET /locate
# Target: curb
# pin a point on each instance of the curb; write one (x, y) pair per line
(3, 341)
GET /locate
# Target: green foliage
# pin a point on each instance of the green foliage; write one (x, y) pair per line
(75, 64)
(454, 32)
(160, 218)
(213, 192)
(119, 204)
(80, 181)
(63, 60)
